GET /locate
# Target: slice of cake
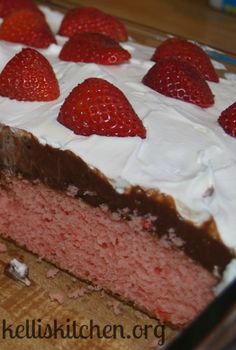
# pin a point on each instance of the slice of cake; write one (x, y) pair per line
(148, 217)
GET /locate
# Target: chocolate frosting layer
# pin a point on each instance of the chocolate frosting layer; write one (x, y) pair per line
(21, 153)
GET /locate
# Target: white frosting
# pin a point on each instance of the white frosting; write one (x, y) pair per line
(186, 153)
(228, 277)
(230, 76)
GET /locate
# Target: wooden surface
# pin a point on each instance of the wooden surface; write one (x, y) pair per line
(19, 303)
(188, 18)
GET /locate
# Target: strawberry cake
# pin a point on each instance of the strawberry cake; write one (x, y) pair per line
(117, 161)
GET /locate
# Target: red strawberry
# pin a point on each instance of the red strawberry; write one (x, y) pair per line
(186, 50)
(227, 120)
(28, 76)
(27, 27)
(93, 47)
(8, 6)
(98, 107)
(179, 79)
(90, 19)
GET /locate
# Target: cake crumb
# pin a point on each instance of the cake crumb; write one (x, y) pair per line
(19, 271)
(57, 296)
(36, 182)
(39, 259)
(116, 216)
(155, 344)
(104, 208)
(77, 293)
(177, 241)
(116, 306)
(3, 247)
(138, 314)
(94, 288)
(90, 193)
(171, 230)
(102, 293)
(51, 273)
(72, 190)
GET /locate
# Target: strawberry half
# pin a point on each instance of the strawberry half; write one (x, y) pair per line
(28, 76)
(8, 6)
(186, 50)
(179, 79)
(93, 47)
(27, 27)
(227, 120)
(92, 20)
(98, 107)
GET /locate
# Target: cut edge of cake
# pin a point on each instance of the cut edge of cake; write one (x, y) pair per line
(140, 248)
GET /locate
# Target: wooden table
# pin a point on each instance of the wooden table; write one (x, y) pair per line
(19, 303)
(188, 18)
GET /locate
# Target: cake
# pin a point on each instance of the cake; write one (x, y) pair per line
(149, 219)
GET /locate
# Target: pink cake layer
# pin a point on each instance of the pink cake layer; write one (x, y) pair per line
(99, 246)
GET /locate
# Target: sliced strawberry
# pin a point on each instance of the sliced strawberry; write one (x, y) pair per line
(8, 6)
(186, 50)
(98, 107)
(179, 79)
(28, 76)
(26, 27)
(227, 120)
(92, 20)
(93, 47)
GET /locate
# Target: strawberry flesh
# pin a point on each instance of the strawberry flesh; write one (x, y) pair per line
(183, 49)
(227, 120)
(28, 76)
(93, 47)
(90, 19)
(179, 79)
(27, 27)
(98, 107)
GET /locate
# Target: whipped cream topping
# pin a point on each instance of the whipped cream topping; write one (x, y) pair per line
(228, 277)
(186, 153)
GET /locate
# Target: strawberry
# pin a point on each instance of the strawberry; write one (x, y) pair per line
(186, 50)
(179, 79)
(28, 76)
(98, 107)
(8, 6)
(227, 120)
(27, 27)
(90, 19)
(93, 47)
